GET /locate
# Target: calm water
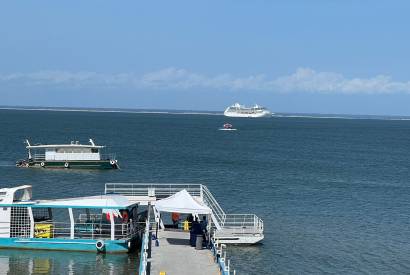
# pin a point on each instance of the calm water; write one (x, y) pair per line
(334, 193)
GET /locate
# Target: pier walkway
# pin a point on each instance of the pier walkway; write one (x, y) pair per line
(175, 256)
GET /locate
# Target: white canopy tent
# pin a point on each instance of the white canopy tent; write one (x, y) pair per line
(182, 202)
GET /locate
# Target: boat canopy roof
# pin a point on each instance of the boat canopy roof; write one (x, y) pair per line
(103, 201)
(71, 145)
(96, 202)
(63, 146)
(8, 195)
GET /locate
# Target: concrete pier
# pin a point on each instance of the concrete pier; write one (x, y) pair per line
(175, 256)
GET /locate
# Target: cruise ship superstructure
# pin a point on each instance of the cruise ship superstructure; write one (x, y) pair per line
(238, 110)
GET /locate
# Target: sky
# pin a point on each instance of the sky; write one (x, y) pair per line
(318, 56)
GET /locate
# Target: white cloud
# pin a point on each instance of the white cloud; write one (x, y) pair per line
(303, 80)
(308, 80)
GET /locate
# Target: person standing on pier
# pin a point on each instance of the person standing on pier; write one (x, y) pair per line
(204, 224)
(175, 219)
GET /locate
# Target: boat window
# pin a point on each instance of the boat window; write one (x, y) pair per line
(94, 150)
(51, 223)
(20, 195)
(93, 223)
(42, 214)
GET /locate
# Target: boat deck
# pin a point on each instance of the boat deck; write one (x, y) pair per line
(174, 255)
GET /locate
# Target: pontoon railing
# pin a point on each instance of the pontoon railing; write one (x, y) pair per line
(217, 210)
(82, 230)
(244, 221)
(39, 157)
(151, 189)
(69, 156)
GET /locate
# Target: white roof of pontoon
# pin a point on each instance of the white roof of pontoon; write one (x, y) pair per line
(98, 202)
(64, 146)
(103, 201)
(182, 202)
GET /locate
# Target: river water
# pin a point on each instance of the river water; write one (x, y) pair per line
(333, 193)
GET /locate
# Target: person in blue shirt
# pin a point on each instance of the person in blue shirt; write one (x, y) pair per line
(204, 224)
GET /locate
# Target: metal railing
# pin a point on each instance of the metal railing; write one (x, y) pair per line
(39, 157)
(219, 253)
(144, 251)
(151, 189)
(245, 221)
(145, 247)
(218, 214)
(82, 230)
(71, 156)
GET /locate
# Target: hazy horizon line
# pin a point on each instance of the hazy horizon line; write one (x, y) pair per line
(195, 112)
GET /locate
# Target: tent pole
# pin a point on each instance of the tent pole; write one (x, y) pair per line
(70, 213)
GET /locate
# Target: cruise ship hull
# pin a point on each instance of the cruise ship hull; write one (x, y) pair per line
(256, 115)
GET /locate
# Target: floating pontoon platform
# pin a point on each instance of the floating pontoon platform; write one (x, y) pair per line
(228, 228)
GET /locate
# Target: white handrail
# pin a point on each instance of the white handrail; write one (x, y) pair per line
(144, 249)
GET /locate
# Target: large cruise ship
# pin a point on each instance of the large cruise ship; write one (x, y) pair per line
(238, 110)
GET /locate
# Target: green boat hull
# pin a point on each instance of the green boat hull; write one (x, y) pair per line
(75, 164)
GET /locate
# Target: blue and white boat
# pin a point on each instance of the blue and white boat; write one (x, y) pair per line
(106, 223)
